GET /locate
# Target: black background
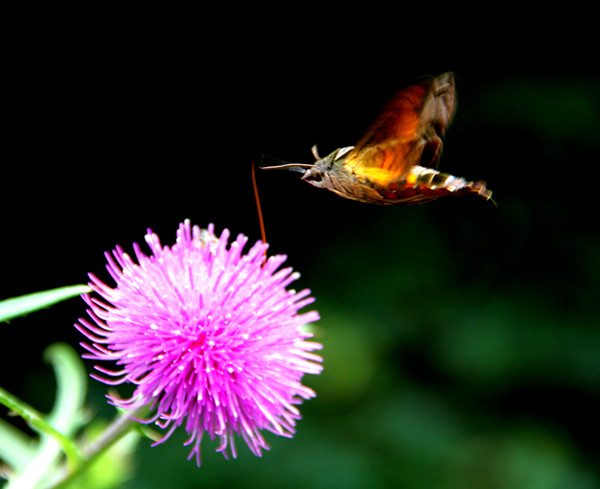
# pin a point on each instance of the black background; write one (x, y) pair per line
(114, 125)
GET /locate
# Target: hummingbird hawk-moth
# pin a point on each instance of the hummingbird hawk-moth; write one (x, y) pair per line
(394, 162)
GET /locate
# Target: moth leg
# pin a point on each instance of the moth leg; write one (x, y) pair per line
(432, 151)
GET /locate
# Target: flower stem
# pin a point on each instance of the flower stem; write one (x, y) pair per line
(118, 428)
(113, 433)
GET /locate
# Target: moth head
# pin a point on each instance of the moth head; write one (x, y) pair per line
(318, 173)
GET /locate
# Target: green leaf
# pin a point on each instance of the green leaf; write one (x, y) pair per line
(71, 379)
(19, 306)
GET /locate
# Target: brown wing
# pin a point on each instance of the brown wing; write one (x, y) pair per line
(414, 119)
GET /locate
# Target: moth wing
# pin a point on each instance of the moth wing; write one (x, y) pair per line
(410, 127)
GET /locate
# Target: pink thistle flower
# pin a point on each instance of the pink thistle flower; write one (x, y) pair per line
(210, 337)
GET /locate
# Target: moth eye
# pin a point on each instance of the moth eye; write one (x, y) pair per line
(317, 177)
(313, 176)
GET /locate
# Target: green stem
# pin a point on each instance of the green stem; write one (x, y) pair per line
(113, 433)
(37, 421)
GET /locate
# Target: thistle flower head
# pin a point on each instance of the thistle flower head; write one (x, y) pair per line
(211, 338)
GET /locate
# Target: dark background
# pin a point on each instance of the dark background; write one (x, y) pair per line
(462, 340)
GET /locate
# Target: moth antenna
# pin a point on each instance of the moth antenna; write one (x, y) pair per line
(315, 152)
(261, 223)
